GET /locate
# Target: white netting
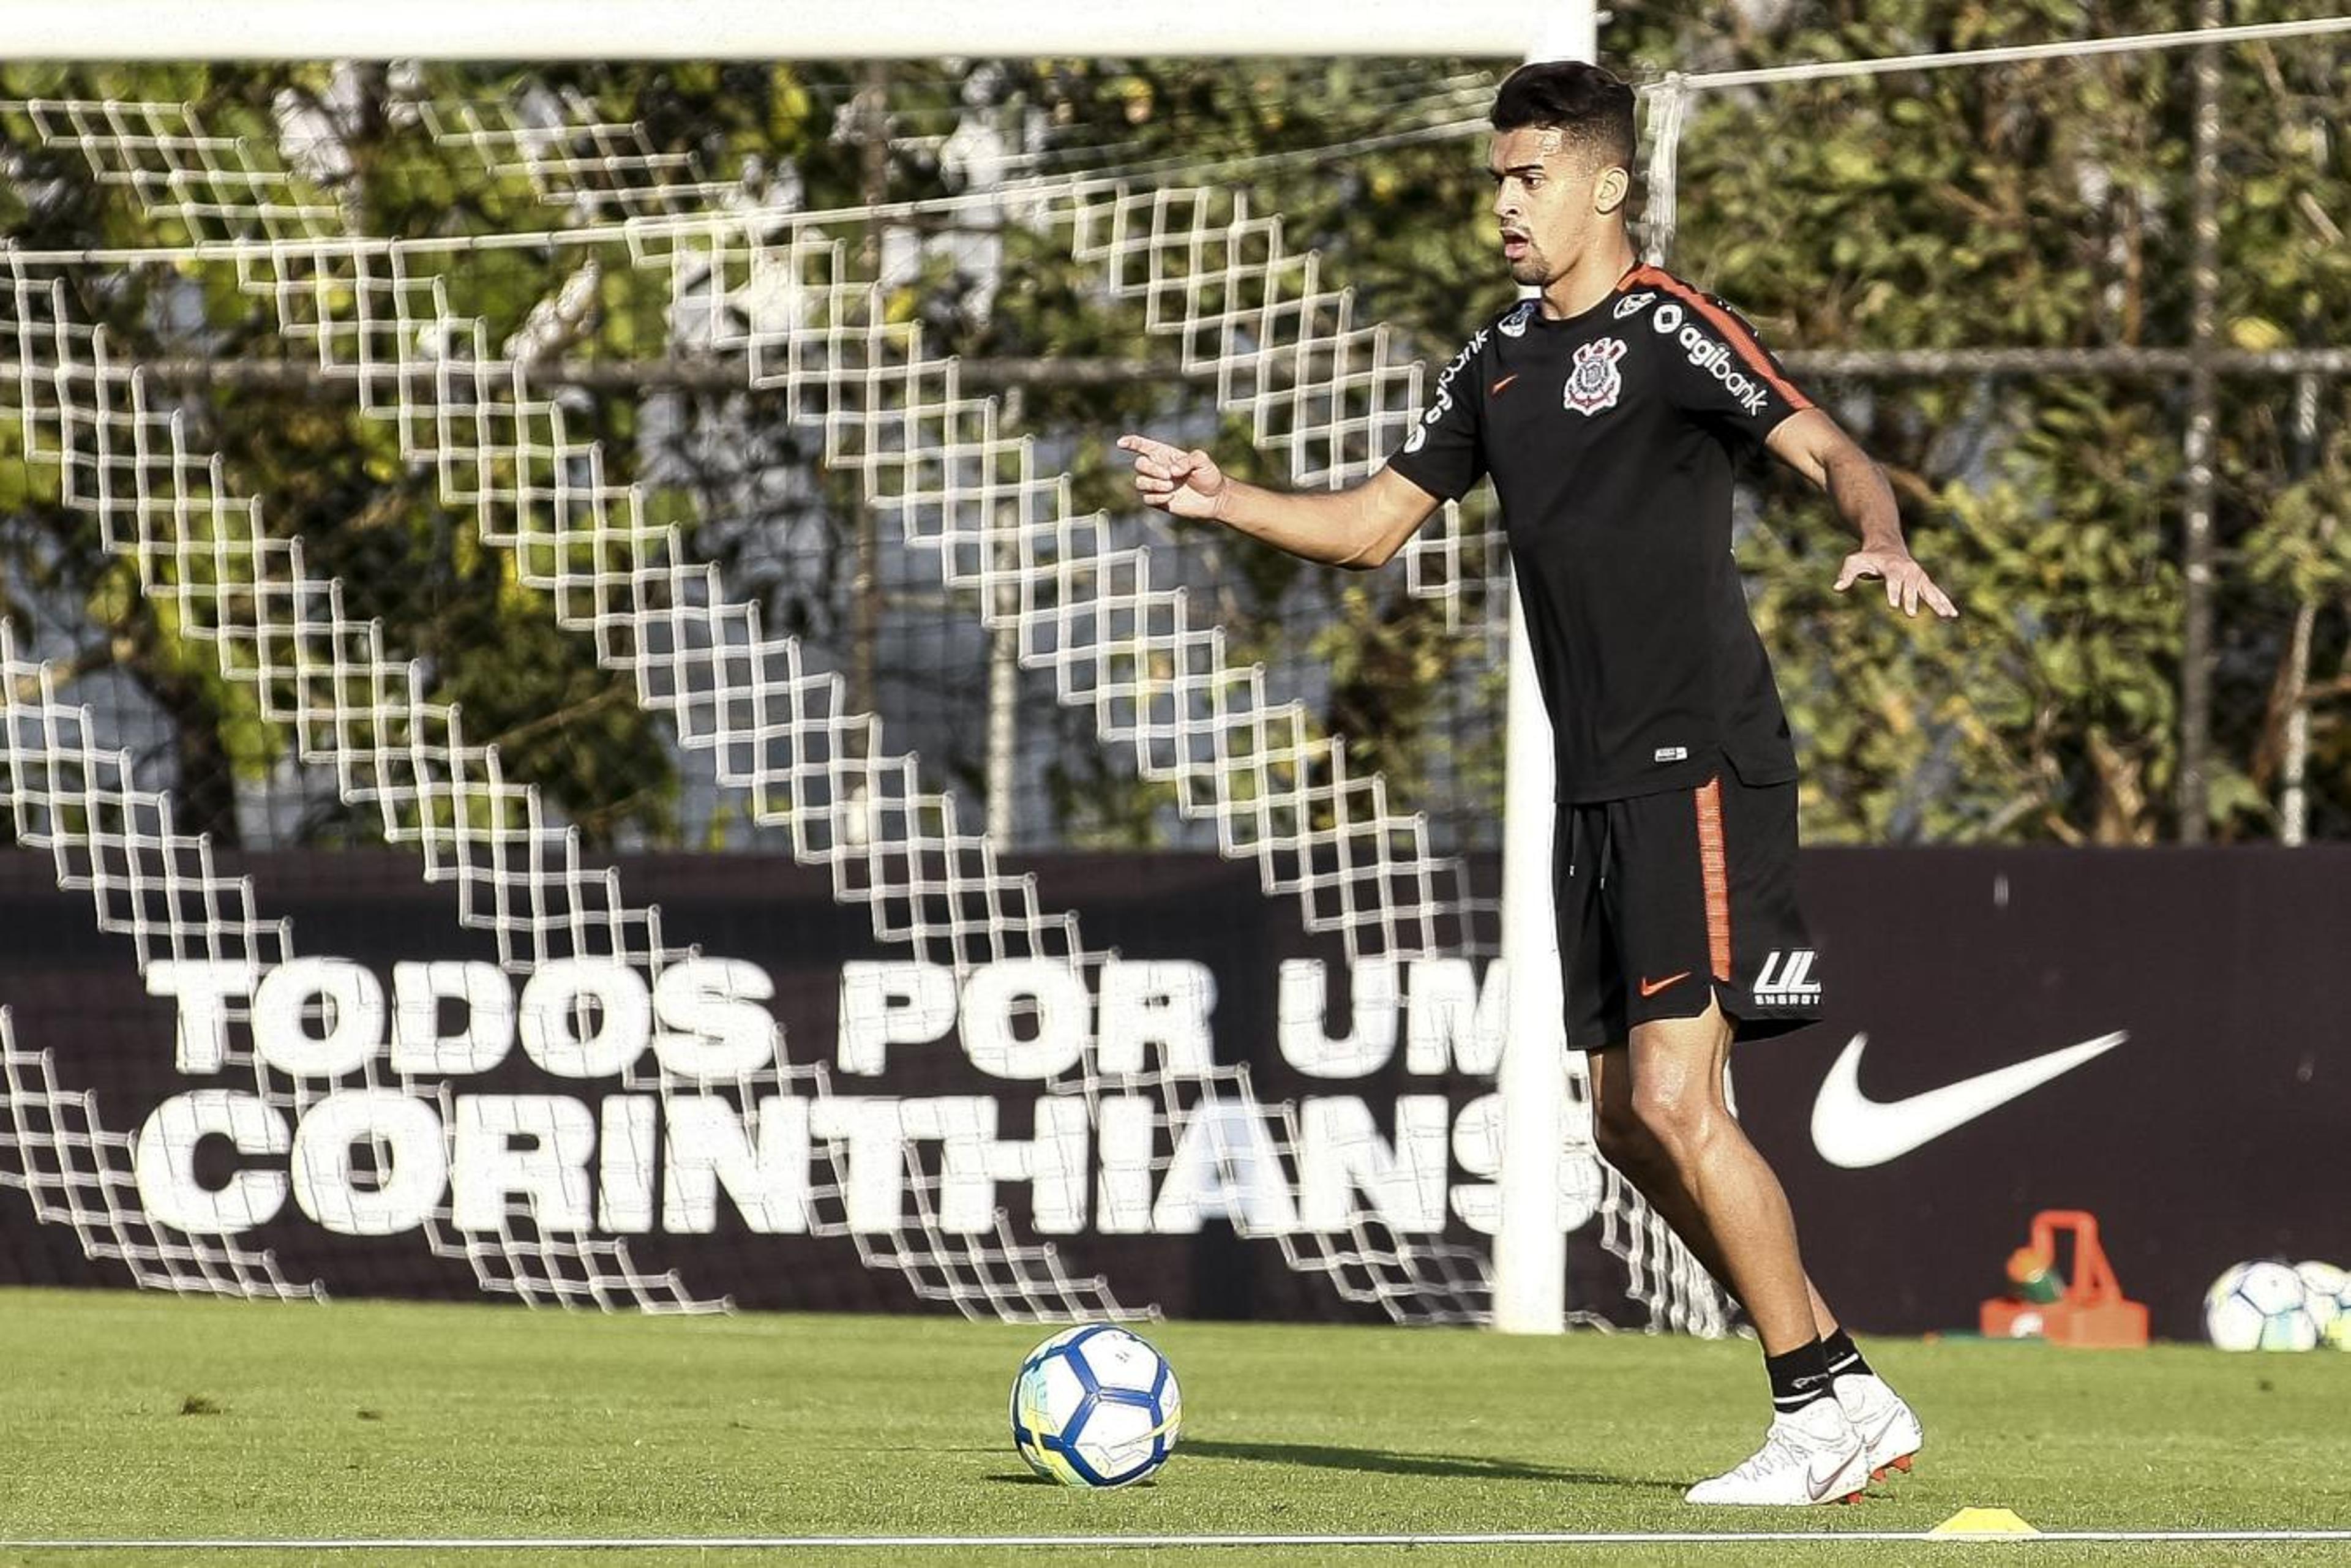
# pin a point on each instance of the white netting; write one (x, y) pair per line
(779, 297)
(355, 707)
(74, 799)
(78, 1173)
(572, 158)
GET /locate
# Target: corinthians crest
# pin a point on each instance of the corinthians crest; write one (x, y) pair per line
(1594, 383)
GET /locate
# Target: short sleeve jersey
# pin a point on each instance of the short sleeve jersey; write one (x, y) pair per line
(1611, 437)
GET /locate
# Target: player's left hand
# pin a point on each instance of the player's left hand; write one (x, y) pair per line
(1907, 582)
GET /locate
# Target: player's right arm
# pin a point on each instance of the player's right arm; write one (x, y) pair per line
(1359, 528)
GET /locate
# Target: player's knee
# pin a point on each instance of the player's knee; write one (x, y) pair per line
(1674, 1117)
(1623, 1139)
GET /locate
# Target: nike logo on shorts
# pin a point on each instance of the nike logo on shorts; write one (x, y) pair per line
(1651, 987)
(1853, 1132)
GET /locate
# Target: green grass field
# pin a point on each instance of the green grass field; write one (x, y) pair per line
(131, 1415)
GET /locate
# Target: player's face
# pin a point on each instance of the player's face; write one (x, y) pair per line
(1543, 206)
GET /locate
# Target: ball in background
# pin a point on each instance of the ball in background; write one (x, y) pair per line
(2326, 1295)
(2260, 1306)
(1095, 1405)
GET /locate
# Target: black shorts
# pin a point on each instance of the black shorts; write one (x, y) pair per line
(1666, 900)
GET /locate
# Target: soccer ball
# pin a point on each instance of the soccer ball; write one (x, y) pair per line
(1095, 1407)
(2260, 1306)
(2326, 1295)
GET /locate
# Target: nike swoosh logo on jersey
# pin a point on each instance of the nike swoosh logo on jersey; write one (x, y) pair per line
(1496, 389)
(1651, 987)
(1853, 1132)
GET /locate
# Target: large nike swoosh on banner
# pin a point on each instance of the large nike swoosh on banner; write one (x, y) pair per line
(1853, 1132)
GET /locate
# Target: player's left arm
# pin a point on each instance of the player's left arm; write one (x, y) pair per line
(1809, 443)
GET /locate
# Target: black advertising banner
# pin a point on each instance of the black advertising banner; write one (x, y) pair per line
(512, 1103)
(2158, 1037)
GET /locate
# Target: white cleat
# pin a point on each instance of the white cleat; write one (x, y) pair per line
(1889, 1429)
(1808, 1456)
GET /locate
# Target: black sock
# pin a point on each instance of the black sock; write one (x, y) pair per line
(1799, 1377)
(1845, 1359)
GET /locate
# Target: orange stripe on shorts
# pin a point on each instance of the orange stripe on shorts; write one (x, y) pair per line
(1715, 866)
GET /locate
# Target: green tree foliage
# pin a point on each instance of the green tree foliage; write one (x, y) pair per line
(2041, 205)
(324, 472)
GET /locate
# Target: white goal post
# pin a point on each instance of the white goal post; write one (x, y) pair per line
(1530, 1253)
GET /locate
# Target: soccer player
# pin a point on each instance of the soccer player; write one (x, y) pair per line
(1610, 408)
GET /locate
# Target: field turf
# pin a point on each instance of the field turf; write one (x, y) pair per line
(129, 1416)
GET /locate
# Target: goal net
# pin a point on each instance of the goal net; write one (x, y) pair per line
(540, 471)
(640, 345)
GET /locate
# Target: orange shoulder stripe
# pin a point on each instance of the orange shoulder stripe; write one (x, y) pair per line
(1743, 342)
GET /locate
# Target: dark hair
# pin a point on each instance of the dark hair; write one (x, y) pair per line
(1586, 104)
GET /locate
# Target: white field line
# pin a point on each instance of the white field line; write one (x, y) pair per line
(969, 1542)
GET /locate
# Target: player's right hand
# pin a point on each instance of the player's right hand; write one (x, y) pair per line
(1186, 484)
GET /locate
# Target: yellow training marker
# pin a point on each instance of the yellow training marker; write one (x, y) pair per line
(1982, 1521)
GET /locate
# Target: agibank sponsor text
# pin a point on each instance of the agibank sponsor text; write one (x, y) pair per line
(673, 1107)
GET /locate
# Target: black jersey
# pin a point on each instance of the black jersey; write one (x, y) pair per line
(1612, 436)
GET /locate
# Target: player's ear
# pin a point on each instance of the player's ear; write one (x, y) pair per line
(1608, 193)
